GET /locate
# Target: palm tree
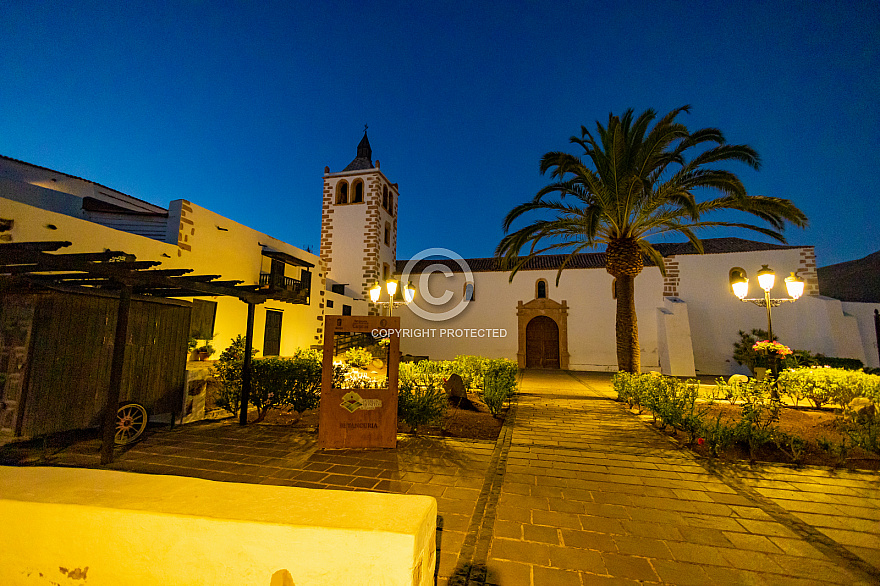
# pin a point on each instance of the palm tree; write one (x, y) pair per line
(641, 184)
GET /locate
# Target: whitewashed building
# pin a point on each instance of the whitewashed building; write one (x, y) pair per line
(688, 321)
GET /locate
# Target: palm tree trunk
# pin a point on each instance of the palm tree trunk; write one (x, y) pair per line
(628, 354)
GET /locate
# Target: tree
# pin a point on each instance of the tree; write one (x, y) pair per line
(635, 182)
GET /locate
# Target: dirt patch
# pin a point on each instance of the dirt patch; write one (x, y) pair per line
(812, 425)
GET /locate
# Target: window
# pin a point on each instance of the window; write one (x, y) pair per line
(329, 304)
(346, 310)
(468, 291)
(391, 203)
(358, 192)
(342, 192)
(541, 289)
(387, 234)
(385, 197)
(384, 272)
(338, 288)
(202, 321)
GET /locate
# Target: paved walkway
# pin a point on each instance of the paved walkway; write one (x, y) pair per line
(575, 491)
(591, 495)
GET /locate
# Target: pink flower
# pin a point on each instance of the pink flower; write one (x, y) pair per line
(700, 441)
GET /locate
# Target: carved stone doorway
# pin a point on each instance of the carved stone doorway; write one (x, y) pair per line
(543, 334)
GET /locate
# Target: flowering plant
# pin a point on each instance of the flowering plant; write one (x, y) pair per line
(768, 347)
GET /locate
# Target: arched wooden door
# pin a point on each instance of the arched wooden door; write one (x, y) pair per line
(542, 343)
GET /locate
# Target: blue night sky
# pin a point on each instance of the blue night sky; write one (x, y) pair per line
(238, 106)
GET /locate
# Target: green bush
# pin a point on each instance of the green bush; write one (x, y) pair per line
(470, 369)
(499, 382)
(824, 386)
(745, 355)
(420, 400)
(227, 371)
(358, 357)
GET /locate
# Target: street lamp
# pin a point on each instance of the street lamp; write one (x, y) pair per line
(409, 293)
(739, 282)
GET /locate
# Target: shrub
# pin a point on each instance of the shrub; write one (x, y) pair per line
(470, 369)
(745, 354)
(358, 357)
(420, 400)
(499, 382)
(227, 371)
(829, 385)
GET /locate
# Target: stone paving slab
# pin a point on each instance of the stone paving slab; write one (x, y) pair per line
(575, 491)
(591, 495)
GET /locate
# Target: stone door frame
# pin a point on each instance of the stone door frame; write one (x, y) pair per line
(558, 312)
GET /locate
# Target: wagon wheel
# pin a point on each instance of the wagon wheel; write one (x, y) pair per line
(131, 421)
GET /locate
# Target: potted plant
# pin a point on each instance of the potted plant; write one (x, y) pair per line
(191, 345)
(204, 352)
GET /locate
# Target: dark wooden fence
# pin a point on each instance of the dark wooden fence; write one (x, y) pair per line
(58, 365)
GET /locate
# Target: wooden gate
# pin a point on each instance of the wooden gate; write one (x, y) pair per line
(542, 343)
(56, 350)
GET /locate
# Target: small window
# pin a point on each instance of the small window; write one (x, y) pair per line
(387, 234)
(338, 288)
(358, 192)
(329, 304)
(342, 192)
(385, 197)
(384, 272)
(541, 289)
(391, 203)
(468, 291)
(346, 310)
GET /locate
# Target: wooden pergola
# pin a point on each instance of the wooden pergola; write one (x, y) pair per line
(33, 265)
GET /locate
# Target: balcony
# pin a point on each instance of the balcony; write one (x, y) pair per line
(284, 288)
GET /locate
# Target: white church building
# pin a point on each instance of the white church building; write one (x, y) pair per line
(688, 320)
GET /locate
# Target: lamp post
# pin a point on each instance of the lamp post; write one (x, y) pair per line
(409, 292)
(739, 282)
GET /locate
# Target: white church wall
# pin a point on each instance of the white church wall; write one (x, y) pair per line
(591, 316)
(812, 323)
(863, 314)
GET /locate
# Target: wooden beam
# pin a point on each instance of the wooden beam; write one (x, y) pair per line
(114, 389)
(35, 246)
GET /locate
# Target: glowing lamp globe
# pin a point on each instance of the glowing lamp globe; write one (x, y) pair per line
(794, 285)
(375, 291)
(766, 278)
(391, 287)
(739, 282)
(409, 292)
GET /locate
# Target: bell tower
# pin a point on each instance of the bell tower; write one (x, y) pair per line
(359, 225)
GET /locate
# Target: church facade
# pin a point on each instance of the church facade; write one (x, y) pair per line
(688, 320)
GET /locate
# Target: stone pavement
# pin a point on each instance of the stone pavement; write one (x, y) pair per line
(591, 495)
(575, 491)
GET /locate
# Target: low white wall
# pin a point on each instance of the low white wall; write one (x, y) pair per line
(863, 313)
(108, 528)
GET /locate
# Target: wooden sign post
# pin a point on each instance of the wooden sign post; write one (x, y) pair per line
(359, 418)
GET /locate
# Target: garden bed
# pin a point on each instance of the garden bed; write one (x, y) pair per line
(459, 423)
(750, 419)
(812, 425)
